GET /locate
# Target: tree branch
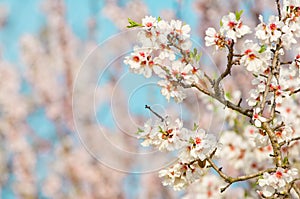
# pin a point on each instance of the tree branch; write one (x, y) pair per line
(295, 91)
(227, 103)
(278, 9)
(292, 140)
(296, 189)
(231, 180)
(274, 142)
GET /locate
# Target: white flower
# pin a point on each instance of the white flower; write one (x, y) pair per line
(200, 145)
(295, 66)
(257, 118)
(173, 177)
(213, 38)
(163, 30)
(270, 32)
(170, 90)
(208, 187)
(284, 134)
(295, 3)
(148, 22)
(254, 97)
(165, 135)
(233, 28)
(148, 39)
(257, 138)
(255, 60)
(235, 149)
(141, 61)
(180, 175)
(288, 37)
(182, 31)
(277, 181)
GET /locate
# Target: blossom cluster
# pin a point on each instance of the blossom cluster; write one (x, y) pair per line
(270, 135)
(232, 28)
(165, 50)
(194, 147)
(277, 182)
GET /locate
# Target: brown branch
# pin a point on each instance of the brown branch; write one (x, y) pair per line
(227, 70)
(295, 91)
(156, 114)
(296, 189)
(286, 63)
(209, 79)
(292, 140)
(231, 180)
(275, 65)
(274, 142)
(263, 103)
(217, 92)
(278, 9)
(225, 102)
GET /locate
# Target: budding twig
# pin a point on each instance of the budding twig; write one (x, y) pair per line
(296, 91)
(156, 114)
(278, 9)
(231, 180)
(292, 140)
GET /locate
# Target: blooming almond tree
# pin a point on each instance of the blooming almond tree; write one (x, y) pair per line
(260, 142)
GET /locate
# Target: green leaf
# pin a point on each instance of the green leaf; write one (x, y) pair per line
(191, 55)
(221, 23)
(198, 56)
(285, 161)
(262, 49)
(228, 95)
(139, 131)
(195, 51)
(238, 14)
(195, 127)
(133, 24)
(158, 19)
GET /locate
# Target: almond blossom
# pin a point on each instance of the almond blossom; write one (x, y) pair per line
(257, 118)
(199, 146)
(165, 135)
(276, 182)
(254, 58)
(213, 38)
(141, 61)
(180, 175)
(233, 27)
(148, 22)
(268, 33)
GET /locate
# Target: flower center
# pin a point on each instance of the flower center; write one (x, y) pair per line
(231, 24)
(149, 24)
(252, 56)
(279, 174)
(198, 140)
(273, 26)
(136, 59)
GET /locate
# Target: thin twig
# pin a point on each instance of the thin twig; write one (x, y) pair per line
(278, 9)
(292, 140)
(231, 180)
(227, 70)
(227, 103)
(296, 189)
(286, 63)
(156, 114)
(295, 91)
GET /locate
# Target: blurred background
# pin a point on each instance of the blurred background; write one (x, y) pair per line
(69, 109)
